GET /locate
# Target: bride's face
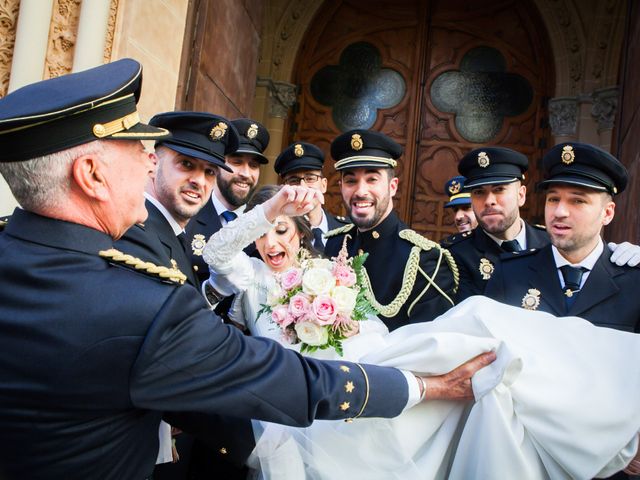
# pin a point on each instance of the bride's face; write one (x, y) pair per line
(279, 246)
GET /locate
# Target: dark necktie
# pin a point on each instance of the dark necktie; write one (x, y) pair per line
(317, 239)
(182, 238)
(511, 246)
(229, 216)
(572, 278)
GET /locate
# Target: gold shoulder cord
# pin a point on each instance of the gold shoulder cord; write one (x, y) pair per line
(411, 270)
(338, 231)
(172, 274)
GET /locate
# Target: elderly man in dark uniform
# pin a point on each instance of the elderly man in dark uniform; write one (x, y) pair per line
(494, 179)
(97, 344)
(231, 190)
(299, 163)
(411, 278)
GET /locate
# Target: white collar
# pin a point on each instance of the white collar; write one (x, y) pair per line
(177, 229)
(220, 208)
(587, 262)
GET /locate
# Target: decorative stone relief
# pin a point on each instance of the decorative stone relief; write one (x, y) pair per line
(286, 31)
(8, 21)
(602, 38)
(563, 116)
(572, 42)
(605, 105)
(62, 37)
(282, 96)
(111, 27)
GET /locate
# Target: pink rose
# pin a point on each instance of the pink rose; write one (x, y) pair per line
(281, 316)
(324, 310)
(345, 276)
(291, 278)
(299, 306)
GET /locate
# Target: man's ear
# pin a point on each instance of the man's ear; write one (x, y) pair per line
(154, 159)
(393, 186)
(88, 175)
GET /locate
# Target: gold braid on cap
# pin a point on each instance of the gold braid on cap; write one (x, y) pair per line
(411, 270)
(358, 158)
(171, 274)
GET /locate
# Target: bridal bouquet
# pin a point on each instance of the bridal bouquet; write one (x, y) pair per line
(319, 302)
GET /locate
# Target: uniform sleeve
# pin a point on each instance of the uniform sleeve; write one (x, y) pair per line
(190, 361)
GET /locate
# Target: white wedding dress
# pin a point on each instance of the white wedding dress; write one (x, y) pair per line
(561, 401)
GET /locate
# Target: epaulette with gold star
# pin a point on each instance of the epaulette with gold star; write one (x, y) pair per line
(338, 231)
(341, 219)
(172, 274)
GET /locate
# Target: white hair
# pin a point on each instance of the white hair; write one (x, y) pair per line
(44, 182)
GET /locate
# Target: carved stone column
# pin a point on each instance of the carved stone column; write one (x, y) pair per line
(30, 48)
(604, 109)
(563, 118)
(277, 98)
(92, 34)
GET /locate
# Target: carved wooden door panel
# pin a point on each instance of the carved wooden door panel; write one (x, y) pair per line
(395, 67)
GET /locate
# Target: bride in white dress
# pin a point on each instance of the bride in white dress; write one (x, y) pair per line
(562, 400)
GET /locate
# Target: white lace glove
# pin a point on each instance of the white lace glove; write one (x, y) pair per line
(625, 253)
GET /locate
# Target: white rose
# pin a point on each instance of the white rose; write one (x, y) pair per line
(312, 334)
(345, 299)
(321, 263)
(317, 281)
(274, 295)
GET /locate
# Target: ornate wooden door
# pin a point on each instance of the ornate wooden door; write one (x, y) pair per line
(440, 77)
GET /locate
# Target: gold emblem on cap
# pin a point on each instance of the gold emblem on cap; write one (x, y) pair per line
(253, 131)
(298, 150)
(531, 300)
(356, 142)
(486, 268)
(568, 155)
(454, 187)
(483, 159)
(197, 244)
(218, 131)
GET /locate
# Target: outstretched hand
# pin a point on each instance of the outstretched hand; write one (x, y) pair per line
(292, 201)
(456, 385)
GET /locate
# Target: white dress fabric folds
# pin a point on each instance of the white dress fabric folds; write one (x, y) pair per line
(561, 401)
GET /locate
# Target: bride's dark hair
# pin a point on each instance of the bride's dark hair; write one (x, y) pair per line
(302, 223)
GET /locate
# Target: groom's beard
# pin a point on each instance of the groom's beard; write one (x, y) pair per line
(369, 220)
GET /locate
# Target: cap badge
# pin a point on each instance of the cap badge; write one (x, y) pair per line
(454, 187)
(483, 159)
(253, 131)
(298, 150)
(531, 301)
(356, 142)
(197, 244)
(218, 131)
(486, 268)
(568, 155)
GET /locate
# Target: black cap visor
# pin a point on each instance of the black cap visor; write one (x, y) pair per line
(192, 152)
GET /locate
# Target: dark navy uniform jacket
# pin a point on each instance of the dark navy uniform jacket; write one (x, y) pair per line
(609, 297)
(206, 222)
(155, 241)
(470, 248)
(388, 256)
(93, 351)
